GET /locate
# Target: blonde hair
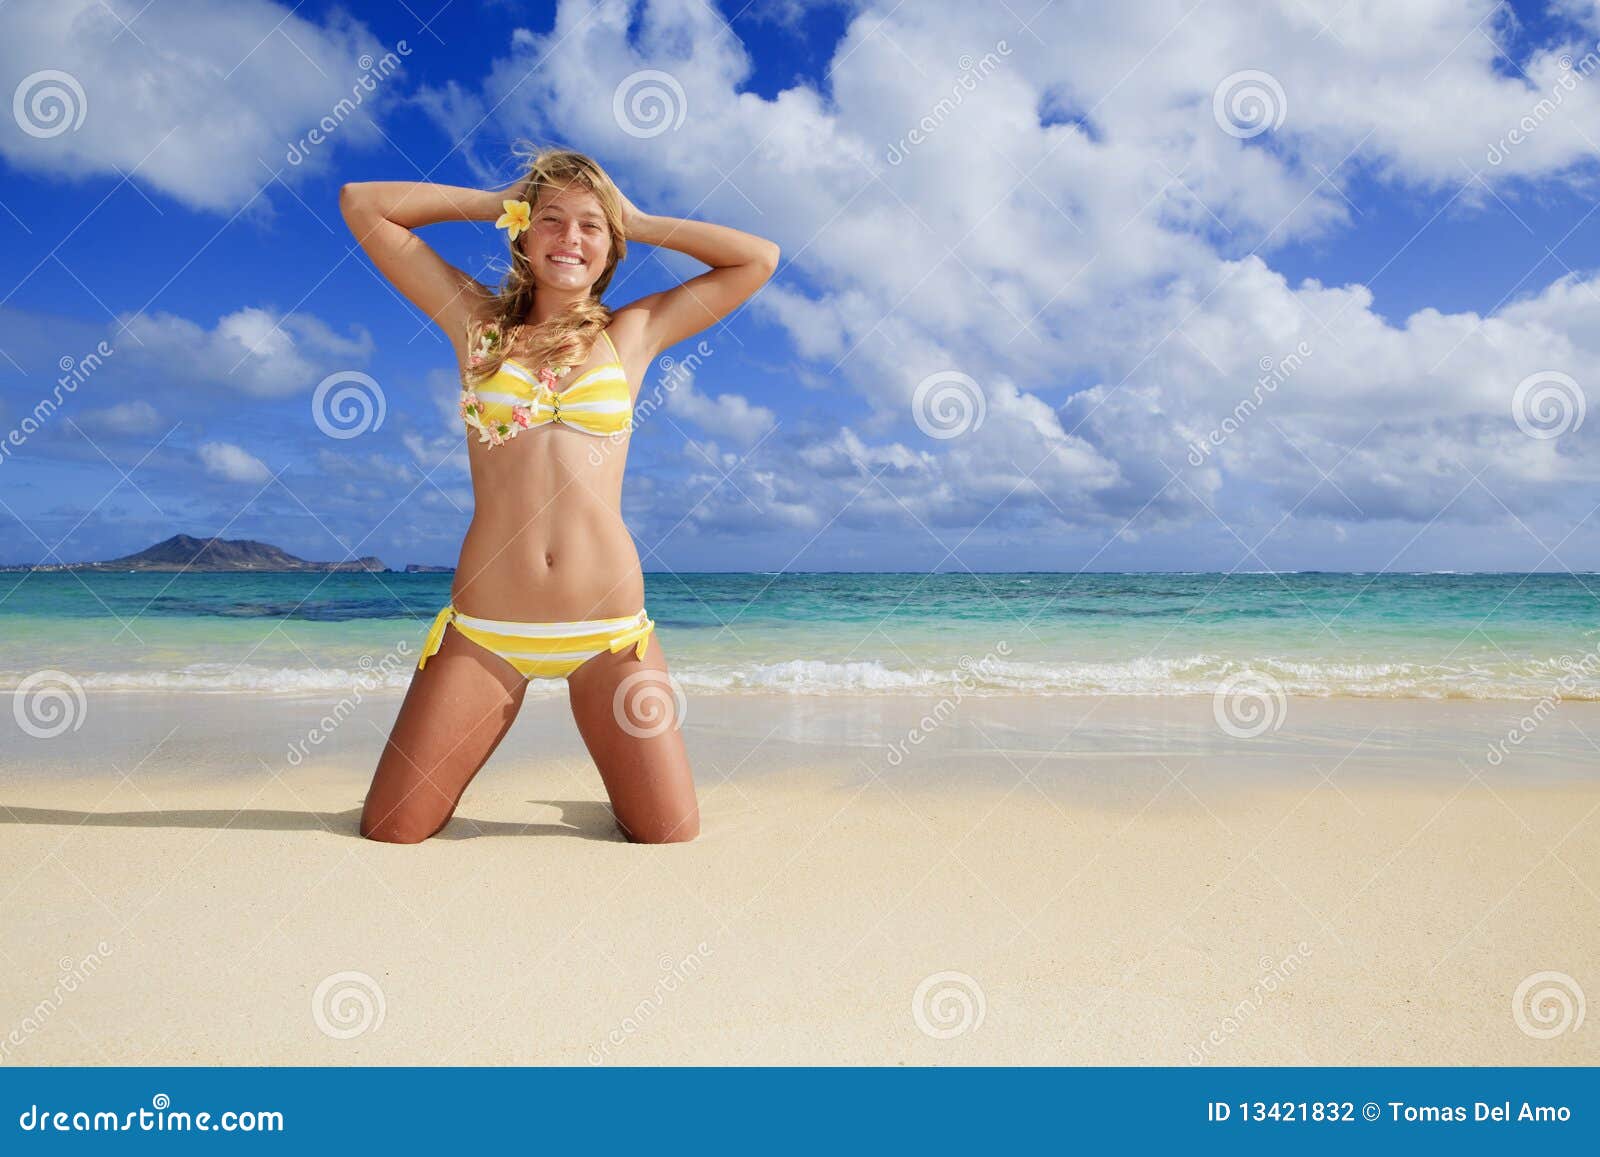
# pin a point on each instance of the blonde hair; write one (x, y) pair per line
(563, 340)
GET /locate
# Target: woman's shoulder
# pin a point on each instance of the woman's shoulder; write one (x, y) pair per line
(626, 331)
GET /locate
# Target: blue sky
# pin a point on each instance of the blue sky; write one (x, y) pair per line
(1091, 249)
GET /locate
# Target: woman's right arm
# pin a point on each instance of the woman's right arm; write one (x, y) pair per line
(382, 215)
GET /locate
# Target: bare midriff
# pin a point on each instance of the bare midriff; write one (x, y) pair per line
(547, 542)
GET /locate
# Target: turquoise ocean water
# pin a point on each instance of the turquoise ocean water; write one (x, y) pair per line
(1385, 635)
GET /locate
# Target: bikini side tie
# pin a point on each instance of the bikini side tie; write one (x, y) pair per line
(639, 635)
(435, 634)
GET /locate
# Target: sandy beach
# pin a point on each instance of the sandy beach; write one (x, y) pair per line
(1070, 881)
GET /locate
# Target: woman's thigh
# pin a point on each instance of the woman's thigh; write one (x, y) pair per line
(628, 715)
(455, 714)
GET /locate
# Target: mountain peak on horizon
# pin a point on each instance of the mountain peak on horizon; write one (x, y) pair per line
(188, 552)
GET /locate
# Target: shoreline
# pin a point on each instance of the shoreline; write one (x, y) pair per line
(397, 692)
(943, 737)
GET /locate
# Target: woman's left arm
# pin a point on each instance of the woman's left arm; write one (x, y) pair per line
(741, 264)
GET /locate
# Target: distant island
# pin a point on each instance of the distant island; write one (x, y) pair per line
(184, 552)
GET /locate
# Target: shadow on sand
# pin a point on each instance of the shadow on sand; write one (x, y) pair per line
(580, 819)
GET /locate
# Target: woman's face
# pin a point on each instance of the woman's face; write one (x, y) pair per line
(568, 242)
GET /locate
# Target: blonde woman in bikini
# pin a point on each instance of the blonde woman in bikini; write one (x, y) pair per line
(548, 584)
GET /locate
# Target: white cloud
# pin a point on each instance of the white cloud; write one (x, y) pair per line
(373, 467)
(1114, 253)
(728, 415)
(1106, 279)
(725, 497)
(134, 417)
(232, 463)
(815, 326)
(193, 97)
(255, 350)
(439, 450)
(460, 113)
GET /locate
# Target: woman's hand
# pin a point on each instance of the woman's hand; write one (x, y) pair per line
(512, 192)
(631, 217)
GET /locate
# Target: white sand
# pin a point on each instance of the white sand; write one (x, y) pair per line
(1114, 881)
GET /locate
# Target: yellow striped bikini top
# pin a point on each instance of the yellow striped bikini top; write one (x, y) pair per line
(518, 398)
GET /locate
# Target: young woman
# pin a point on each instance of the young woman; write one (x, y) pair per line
(548, 584)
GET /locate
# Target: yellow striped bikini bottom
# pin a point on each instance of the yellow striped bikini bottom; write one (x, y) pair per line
(543, 650)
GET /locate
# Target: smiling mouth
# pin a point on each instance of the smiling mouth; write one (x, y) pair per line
(569, 262)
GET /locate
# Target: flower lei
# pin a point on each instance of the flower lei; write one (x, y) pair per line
(498, 432)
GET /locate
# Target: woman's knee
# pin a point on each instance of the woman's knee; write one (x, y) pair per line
(663, 831)
(398, 826)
